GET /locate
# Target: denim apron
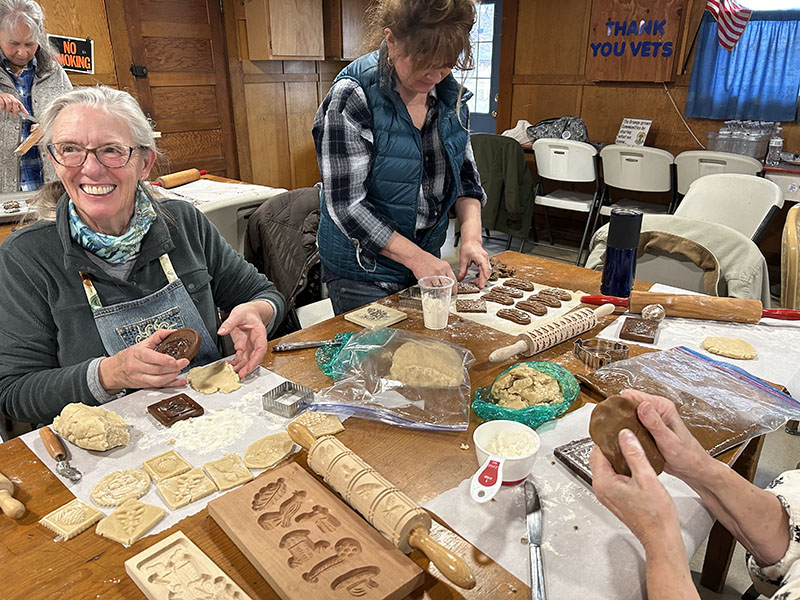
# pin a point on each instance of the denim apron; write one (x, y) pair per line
(128, 323)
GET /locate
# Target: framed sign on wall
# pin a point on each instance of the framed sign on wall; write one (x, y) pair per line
(633, 40)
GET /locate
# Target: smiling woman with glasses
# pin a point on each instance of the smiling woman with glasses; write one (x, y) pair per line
(109, 271)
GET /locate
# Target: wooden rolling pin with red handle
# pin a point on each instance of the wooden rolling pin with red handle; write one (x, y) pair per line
(398, 518)
(734, 310)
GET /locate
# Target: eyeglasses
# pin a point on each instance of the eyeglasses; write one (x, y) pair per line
(112, 156)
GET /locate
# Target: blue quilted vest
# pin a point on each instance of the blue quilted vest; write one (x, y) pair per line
(393, 184)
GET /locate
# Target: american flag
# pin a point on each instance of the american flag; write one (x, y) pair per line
(731, 20)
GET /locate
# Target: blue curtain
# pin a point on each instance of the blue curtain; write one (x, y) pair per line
(758, 79)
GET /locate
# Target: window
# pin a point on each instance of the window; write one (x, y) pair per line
(479, 79)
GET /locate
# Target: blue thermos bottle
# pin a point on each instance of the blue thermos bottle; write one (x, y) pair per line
(619, 268)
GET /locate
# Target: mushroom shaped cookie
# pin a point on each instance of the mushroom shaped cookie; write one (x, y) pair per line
(611, 416)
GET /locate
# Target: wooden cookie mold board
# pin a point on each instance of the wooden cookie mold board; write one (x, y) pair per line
(176, 568)
(308, 544)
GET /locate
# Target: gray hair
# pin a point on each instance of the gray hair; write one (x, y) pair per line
(115, 102)
(28, 13)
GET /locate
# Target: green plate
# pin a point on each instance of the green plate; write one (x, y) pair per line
(533, 416)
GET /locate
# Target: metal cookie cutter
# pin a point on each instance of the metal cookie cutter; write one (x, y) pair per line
(597, 353)
(287, 399)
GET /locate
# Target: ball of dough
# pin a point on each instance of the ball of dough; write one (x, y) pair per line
(91, 427)
(730, 347)
(427, 365)
(524, 386)
(611, 416)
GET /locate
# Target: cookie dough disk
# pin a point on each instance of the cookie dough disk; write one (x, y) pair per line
(611, 416)
(523, 386)
(267, 451)
(118, 486)
(216, 377)
(427, 365)
(730, 347)
(91, 427)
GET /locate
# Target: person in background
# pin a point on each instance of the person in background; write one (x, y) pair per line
(392, 142)
(30, 79)
(765, 522)
(108, 272)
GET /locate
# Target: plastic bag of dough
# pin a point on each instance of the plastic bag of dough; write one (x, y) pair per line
(721, 404)
(399, 377)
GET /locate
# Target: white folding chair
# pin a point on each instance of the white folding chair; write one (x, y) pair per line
(567, 161)
(693, 164)
(636, 169)
(742, 202)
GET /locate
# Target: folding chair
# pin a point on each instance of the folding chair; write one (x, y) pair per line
(567, 161)
(636, 169)
(742, 202)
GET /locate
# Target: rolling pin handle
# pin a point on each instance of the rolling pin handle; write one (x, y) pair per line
(502, 354)
(8, 504)
(603, 310)
(52, 444)
(450, 565)
(301, 435)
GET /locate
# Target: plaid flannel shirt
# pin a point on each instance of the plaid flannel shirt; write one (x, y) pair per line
(344, 143)
(30, 163)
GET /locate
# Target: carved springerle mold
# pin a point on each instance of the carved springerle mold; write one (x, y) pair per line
(176, 568)
(307, 543)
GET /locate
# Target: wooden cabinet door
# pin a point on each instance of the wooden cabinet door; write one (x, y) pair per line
(296, 28)
(344, 28)
(284, 29)
(185, 90)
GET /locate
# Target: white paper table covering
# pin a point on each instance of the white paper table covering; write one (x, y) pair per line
(776, 342)
(149, 438)
(599, 559)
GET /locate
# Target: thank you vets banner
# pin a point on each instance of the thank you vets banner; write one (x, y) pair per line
(633, 41)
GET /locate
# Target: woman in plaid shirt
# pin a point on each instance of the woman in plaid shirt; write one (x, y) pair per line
(393, 147)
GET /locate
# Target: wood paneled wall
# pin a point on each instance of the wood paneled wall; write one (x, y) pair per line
(544, 68)
(274, 104)
(84, 19)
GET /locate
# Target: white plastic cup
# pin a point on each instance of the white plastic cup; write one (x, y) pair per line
(436, 291)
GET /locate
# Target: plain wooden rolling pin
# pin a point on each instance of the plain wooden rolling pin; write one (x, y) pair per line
(398, 518)
(180, 178)
(735, 310)
(553, 333)
(10, 505)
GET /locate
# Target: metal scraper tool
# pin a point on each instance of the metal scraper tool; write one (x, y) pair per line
(56, 449)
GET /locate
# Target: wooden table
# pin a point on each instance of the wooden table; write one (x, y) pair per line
(92, 566)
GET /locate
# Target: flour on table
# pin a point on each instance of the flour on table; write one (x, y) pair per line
(203, 434)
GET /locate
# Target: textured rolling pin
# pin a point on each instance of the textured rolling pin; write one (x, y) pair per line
(550, 334)
(734, 310)
(8, 504)
(398, 518)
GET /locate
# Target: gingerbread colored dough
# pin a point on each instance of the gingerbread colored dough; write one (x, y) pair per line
(611, 416)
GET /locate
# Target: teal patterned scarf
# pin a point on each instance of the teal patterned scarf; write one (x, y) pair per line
(114, 249)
